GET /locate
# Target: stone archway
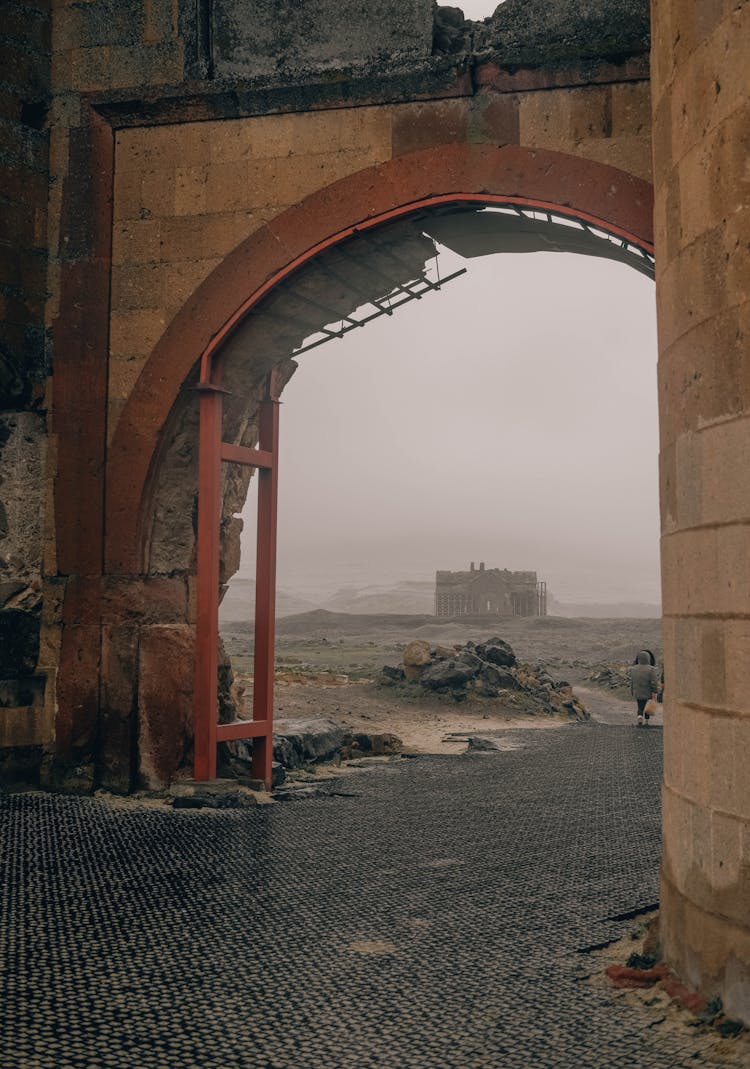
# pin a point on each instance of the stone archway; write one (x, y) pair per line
(615, 198)
(156, 421)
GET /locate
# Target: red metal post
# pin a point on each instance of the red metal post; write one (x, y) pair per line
(207, 593)
(265, 585)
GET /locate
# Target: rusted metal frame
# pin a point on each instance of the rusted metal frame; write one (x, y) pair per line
(265, 586)
(375, 315)
(297, 321)
(241, 454)
(207, 591)
(243, 729)
(208, 732)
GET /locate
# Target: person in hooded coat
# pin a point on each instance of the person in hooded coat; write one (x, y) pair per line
(644, 683)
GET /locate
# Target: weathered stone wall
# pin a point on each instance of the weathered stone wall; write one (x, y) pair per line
(186, 195)
(255, 37)
(701, 103)
(179, 132)
(25, 721)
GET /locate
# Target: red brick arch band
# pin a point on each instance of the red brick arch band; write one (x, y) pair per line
(593, 192)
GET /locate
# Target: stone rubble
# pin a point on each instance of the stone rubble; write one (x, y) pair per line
(487, 670)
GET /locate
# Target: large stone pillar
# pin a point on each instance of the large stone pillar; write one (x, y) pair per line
(701, 91)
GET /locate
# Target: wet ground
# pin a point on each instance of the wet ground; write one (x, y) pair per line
(429, 913)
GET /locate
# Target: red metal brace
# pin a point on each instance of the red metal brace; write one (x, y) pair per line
(208, 732)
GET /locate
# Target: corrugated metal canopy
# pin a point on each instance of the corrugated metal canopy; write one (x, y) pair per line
(485, 231)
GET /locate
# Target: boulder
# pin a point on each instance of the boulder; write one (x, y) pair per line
(501, 678)
(445, 674)
(395, 673)
(416, 654)
(481, 744)
(380, 745)
(497, 652)
(469, 659)
(443, 653)
(299, 742)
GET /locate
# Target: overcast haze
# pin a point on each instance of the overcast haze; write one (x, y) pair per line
(510, 418)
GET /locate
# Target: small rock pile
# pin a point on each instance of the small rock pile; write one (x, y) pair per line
(486, 670)
(612, 676)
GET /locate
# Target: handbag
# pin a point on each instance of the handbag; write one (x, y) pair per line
(651, 708)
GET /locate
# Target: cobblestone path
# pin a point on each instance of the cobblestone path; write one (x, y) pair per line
(430, 915)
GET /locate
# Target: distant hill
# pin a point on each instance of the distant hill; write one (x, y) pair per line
(621, 610)
(239, 602)
(409, 597)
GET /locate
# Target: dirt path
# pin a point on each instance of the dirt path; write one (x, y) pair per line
(607, 709)
(424, 726)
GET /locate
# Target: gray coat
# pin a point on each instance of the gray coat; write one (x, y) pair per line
(644, 678)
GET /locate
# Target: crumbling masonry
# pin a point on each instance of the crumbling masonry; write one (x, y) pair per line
(162, 162)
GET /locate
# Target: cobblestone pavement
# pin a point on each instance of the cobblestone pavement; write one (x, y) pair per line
(427, 914)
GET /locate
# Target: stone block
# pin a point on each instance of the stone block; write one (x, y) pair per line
(136, 241)
(166, 666)
(116, 758)
(76, 725)
(677, 830)
(495, 119)
(151, 600)
(727, 791)
(181, 279)
(249, 38)
(156, 197)
(591, 113)
(235, 140)
(726, 861)
(137, 287)
(724, 473)
(423, 125)
(127, 203)
(704, 375)
(711, 176)
(190, 194)
(227, 186)
(631, 109)
(135, 332)
(545, 119)
(152, 149)
(631, 154)
(30, 725)
(693, 743)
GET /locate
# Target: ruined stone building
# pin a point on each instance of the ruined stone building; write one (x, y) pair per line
(191, 189)
(489, 592)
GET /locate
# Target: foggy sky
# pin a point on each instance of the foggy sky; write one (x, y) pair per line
(510, 418)
(478, 9)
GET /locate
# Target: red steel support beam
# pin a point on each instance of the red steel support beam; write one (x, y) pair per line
(240, 454)
(243, 729)
(265, 585)
(207, 594)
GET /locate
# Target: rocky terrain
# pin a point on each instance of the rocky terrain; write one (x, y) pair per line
(330, 679)
(488, 671)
